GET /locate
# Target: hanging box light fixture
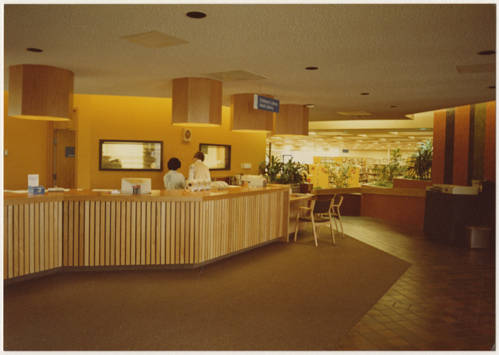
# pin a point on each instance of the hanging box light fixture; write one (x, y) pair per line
(244, 117)
(196, 102)
(40, 92)
(292, 120)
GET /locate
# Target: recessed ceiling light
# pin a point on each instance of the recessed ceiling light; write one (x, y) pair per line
(411, 137)
(309, 105)
(312, 133)
(311, 68)
(362, 135)
(36, 50)
(394, 133)
(196, 14)
(487, 52)
(364, 93)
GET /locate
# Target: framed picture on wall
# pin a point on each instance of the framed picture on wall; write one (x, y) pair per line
(216, 156)
(130, 155)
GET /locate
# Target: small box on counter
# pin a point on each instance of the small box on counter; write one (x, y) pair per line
(36, 190)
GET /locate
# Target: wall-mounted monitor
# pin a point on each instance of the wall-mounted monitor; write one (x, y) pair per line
(216, 156)
(130, 155)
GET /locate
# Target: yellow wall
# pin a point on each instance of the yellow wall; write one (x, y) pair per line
(136, 118)
(26, 142)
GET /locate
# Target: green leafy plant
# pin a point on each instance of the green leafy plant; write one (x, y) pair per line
(338, 174)
(283, 173)
(386, 173)
(420, 162)
(271, 169)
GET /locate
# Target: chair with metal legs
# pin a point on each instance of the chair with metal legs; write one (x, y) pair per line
(335, 211)
(318, 211)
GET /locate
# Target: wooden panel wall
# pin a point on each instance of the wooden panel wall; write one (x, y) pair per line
(83, 233)
(116, 233)
(464, 144)
(489, 172)
(241, 223)
(460, 166)
(437, 167)
(32, 238)
(407, 211)
(244, 117)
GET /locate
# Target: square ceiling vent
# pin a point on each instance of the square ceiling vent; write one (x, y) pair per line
(355, 113)
(234, 75)
(154, 39)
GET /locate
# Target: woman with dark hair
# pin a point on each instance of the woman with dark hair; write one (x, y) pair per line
(198, 170)
(173, 179)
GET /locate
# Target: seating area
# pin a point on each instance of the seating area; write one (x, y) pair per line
(322, 209)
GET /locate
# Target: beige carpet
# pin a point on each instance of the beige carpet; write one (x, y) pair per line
(278, 297)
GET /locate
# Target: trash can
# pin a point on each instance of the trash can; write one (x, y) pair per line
(478, 237)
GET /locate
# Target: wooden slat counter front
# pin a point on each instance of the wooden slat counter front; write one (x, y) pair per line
(94, 229)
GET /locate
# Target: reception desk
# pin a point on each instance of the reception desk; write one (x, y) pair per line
(400, 206)
(97, 229)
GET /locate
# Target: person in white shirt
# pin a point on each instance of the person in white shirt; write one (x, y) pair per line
(198, 170)
(173, 179)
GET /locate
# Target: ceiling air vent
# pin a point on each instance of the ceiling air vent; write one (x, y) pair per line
(154, 39)
(355, 113)
(234, 75)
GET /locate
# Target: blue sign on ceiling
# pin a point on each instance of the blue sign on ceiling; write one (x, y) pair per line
(265, 103)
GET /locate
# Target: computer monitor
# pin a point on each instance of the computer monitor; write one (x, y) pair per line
(127, 185)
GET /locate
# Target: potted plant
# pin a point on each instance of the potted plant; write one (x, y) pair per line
(420, 164)
(271, 169)
(338, 174)
(292, 172)
(386, 173)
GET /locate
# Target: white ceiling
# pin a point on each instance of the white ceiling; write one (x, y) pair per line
(403, 55)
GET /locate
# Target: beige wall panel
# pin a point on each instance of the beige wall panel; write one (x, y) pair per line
(148, 234)
(112, 239)
(91, 233)
(143, 234)
(103, 218)
(46, 235)
(81, 234)
(108, 233)
(163, 233)
(122, 236)
(128, 233)
(97, 234)
(5, 245)
(117, 233)
(10, 237)
(152, 219)
(20, 237)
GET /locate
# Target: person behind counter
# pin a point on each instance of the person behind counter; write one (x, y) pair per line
(198, 170)
(173, 179)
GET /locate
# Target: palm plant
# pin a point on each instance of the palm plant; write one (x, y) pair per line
(420, 165)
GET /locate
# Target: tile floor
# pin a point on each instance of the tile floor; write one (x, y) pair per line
(444, 301)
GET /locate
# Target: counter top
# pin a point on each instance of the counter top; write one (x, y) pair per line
(155, 195)
(300, 197)
(396, 191)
